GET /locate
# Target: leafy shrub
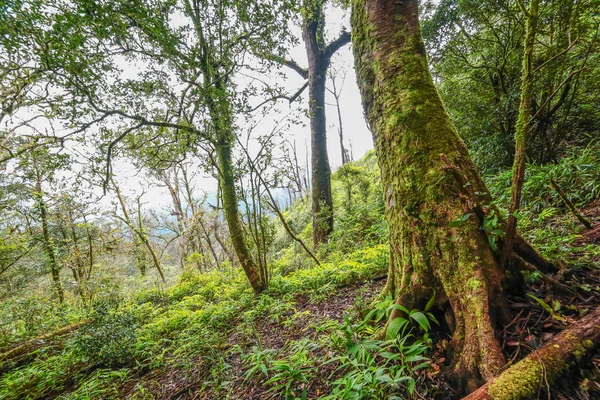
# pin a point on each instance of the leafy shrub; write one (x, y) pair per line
(378, 369)
(109, 339)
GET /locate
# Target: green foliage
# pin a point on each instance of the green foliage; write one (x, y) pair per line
(378, 369)
(102, 384)
(289, 375)
(476, 47)
(577, 174)
(359, 208)
(258, 361)
(109, 339)
(40, 378)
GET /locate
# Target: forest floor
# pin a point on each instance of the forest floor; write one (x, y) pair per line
(540, 314)
(210, 338)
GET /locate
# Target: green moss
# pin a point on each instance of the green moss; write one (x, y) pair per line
(474, 283)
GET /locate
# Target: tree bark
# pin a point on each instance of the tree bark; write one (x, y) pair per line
(322, 202)
(429, 183)
(230, 206)
(539, 369)
(522, 130)
(47, 239)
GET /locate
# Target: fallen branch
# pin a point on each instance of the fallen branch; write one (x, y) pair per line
(18, 353)
(539, 369)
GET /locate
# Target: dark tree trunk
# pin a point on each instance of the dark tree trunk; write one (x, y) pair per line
(429, 183)
(319, 57)
(322, 203)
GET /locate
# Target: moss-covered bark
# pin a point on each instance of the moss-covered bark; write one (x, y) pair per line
(522, 129)
(258, 280)
(429, 182)
(47, 241)
(524, 379)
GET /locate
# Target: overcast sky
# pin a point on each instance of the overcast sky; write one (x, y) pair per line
(355, 130)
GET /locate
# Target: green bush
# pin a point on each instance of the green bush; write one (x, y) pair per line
(109, 339)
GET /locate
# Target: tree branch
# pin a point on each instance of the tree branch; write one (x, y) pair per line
(303, 72)
(337, 44)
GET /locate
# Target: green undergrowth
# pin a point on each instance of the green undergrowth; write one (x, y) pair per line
(544, 218)
(186, 325)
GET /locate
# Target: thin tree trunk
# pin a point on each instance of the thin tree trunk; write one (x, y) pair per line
(47, 240)
(218, 103)
(230, 206)
(336, 95)
(139, 231)
(522, 130)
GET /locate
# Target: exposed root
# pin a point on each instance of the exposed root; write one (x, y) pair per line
(547, 279)
(529, 254)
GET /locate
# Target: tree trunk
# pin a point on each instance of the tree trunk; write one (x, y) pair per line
(522, 131)
(429, 183)
(322, 202)
(47, 241)
(230, 206)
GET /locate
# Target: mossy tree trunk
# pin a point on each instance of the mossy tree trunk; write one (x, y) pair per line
(48, 243)
(217, 99)
(256, 276)
(429, 184)
(524, 125)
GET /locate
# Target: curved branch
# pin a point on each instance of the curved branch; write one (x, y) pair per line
(337, 44)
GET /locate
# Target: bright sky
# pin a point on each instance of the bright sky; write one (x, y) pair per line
(355, 130)
(356, 135)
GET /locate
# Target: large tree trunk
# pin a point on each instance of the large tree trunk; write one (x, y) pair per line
(429, 182)
(322, 203)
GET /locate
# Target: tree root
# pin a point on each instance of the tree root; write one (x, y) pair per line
(539, 369)
(554, 284)
(529, 254)
(19, 353)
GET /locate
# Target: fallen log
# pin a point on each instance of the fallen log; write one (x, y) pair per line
(18, 353)
(539, 369)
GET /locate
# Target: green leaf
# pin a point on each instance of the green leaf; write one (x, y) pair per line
(394, 327)
(421, 319)
(401, 308)
(430, 302)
